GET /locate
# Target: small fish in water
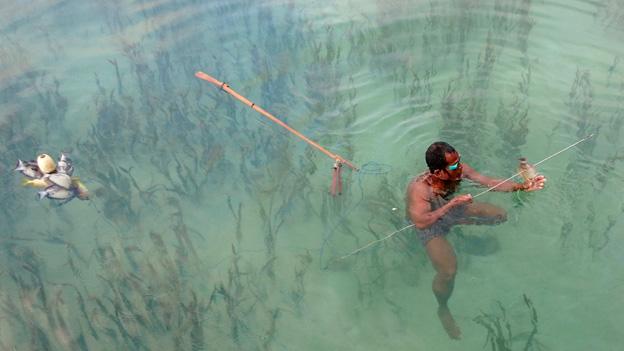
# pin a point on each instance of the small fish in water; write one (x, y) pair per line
(60, 179)
(36, 183)
(28, 169)
(526, 170)
(81, 190)
(56, 192)
(64, 165)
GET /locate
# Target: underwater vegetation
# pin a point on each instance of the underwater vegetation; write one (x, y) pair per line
(500, 334)
(205, 220)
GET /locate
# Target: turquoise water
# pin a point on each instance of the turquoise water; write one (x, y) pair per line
(211, 228)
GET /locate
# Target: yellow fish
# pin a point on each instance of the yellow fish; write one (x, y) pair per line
(81, 190)
(36, 183)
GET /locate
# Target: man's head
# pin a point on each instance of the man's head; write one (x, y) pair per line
(443, 161)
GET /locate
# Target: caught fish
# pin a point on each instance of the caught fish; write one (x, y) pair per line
(81, 190)
(54, 178)
(526, 170)
(64, 165)
(60, 179)
(46, 163)
(28, 169)
(38, 183)
(56, 192)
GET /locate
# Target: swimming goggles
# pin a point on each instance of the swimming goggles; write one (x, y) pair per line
(455, 165)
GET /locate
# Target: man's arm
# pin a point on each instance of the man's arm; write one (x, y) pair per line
(420, 209)
(510, 185)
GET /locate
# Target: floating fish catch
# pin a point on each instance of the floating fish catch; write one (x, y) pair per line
(55, 178)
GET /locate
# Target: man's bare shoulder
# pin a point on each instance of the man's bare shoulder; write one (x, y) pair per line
(418, 189)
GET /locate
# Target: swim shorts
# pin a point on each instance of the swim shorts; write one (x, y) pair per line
(443, 226)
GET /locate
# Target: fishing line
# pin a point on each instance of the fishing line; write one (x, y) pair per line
(535, 165)
(369, 168)
(376, 241)
(479, 194)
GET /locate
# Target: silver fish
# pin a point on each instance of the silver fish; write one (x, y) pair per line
(56, 192)
(28, 169)
(61, 179)
(64, 165)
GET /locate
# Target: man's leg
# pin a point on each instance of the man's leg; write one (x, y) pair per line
(482, 213)
(444, 261)
(479, 213)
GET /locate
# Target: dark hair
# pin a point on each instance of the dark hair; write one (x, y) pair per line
(436, 155)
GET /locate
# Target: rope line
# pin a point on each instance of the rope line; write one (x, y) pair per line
(538, 163)
(377, 241)
(368, 169)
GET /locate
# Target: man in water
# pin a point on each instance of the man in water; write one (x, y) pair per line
(431, 210)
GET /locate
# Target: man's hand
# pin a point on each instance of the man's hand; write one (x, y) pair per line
(461, 199)
(536, 183)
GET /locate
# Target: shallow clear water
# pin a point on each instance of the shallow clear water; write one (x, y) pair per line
(210, 227)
